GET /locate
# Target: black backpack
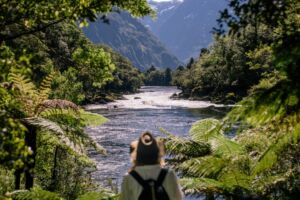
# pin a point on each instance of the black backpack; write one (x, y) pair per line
(152, 189)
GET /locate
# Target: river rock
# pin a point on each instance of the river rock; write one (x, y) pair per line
(137, 97)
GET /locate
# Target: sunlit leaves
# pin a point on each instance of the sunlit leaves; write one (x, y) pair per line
(31, 16)
(95, 64)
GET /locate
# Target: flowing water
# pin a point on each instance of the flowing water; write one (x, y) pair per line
(148, 110)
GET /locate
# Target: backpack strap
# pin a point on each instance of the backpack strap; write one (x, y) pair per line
(161, 176)
(138, 178)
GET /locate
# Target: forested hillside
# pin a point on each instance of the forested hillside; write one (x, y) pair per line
(130, 38)
(80, 75)
(226, 70)
(185, 26)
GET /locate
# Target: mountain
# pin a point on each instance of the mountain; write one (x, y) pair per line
(164, 10)
(185, 26)
(133, 40)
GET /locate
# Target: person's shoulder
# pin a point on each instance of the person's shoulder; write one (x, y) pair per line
(170, 174)
(169, 170)
(127, 177)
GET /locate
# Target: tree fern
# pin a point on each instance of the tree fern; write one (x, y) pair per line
(57, 104)
(197, 186)
(204, 129)
(207, 166)
(60, 117)
(183, 148)
(45, 87)
(23, 84)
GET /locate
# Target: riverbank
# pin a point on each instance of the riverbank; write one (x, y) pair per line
(152, 97)
(229, 99)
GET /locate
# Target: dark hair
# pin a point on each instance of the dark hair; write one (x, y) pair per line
(148, 152)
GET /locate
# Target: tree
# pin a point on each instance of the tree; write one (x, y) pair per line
(168, 76)
(39, 112)
(25, 17)
(94, 65)
(190, 63)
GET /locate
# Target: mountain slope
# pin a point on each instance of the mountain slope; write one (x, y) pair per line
(129, 37)
(185, 27)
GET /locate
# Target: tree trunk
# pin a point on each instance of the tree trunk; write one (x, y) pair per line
(54, 171)
(30, 140)
(17, 179)
(209, 196)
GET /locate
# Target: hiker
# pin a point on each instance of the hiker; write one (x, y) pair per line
(147, 179)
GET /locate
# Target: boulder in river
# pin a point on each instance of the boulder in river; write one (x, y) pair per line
(137, 98)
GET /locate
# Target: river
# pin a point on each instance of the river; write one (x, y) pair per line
(148, 110)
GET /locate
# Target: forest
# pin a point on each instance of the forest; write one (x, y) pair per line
(49, 69)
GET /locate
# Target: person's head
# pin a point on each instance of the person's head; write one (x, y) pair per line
(147, 150)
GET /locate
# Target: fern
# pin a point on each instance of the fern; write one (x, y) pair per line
(103, 195)
(196, 186)
(182, 148)
(35, 194)
(44, 124)
(23, 85)
(270, 156)
(45, 87)
(56, 104)
(204, 129)
(208, 166)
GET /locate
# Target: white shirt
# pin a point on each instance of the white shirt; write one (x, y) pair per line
(131, 189)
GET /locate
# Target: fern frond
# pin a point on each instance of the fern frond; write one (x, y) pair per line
(45, 87)
(225, 146)
(44, 124)
(270, 156)
(182, 148)
(205, 129)
(73, 123)
(210, 130)
(47, 125)
(23, 84)
(196, 186)
(208, 166)
(57, 104)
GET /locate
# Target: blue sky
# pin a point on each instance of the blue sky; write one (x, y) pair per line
(163, 0)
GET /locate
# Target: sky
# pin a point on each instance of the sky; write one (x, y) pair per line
(163, 0)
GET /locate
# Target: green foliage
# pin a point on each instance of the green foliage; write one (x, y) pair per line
(60, 124)
(127, 78)
(13, 151)
(158, 77)
(221, 170)
(42, 135)
(35, 194)
(92, 119)
(27, 17)
(98, 196)
(263, 159)
(6, 181)
(226, 70)
(95, 65)
(70, 88)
